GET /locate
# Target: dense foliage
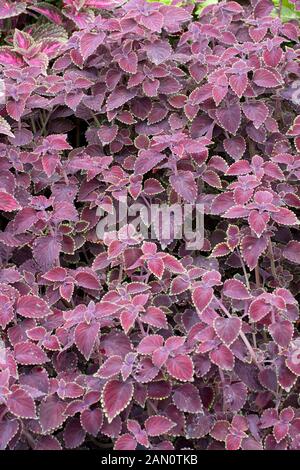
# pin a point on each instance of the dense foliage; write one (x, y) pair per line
(123, 341)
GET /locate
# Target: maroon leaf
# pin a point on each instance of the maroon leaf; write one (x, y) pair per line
(7, 202)
(158, 425)
(51, 414)
(198, 425)
(89, 43)
(233, 442)
(268, 379)
(74, 434)
(235, 147)
(241, 167)
(88, 280)
(256, 112)
(222, 357)
(147, 160)
(202, 296)
(29, 354)
(31, 306)
(266, 78)
(150, 343)
(222, 203)
(158, 51)
(6, 311)
(282, 333)
(91, 421)
(180, 367)
(107, 134)
(238, 84)
(291, 251)
(258, 222)
(229, 118)
(8, 430)
(119, 97)
(285, 216)
(153, 21)
(125, 442)
(235, 289)
(187, 399)
(127, 319)
(220, 430)
(280, 431)
(46, 251)
(110, 109)
(228, 329)
(184, 184)
(235, 396)
(21, 404)
(48, 443)
(110, 367)
(129, 62)
(154, 316)
(85, 337)
(252, 249)
(258, 309)
(115, 397)
(156, 266)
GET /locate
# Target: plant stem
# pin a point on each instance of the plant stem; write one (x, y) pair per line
(45, 121)
(97, 122)
(251, 148)
(257, 276)
(244, 269)
(152, 406)
(223, 384)
(278, 400)
(141, 326)
(280, 8)
(66, 179)
(272, 260)
(29, 438)
(120, 273)
(265, 336)
(3, 413)
(254, 339)
(33, 124)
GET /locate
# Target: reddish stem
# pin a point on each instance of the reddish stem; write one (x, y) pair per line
(242, 335)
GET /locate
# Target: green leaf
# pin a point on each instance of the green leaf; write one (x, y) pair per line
(167, 2)
(204, 4)
(288, 11)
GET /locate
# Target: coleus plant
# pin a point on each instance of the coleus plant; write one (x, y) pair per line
(118, 340)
